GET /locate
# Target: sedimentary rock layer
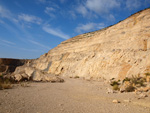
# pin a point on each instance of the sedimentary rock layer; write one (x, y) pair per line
(115, 52)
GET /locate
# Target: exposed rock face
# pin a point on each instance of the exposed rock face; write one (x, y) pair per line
(118, 51)
(9, 65)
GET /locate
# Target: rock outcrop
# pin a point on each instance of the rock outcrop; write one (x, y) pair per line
(119, 51)
(8, 65)
(29, 73)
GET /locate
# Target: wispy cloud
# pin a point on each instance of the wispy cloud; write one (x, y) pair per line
(56, 32)
(50, 11)
(39, 44)
(4, 13)
(133, 4)
(99, 7)
(6, 42)
(82, 10)
(89, 26)
(30, 18)
(14, 29)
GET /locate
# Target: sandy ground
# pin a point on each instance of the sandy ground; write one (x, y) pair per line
(72, 96)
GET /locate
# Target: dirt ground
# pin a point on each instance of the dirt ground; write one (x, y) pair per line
(72, 96)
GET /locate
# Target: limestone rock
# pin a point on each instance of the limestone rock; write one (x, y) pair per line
(115, 101)
(118, 51)
(109, 90)
(143, 89)
(142, 96)
(30, 73)
(127, 101)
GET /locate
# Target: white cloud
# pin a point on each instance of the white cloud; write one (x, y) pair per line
(133, 4)
(99, 7)
(50, 11)
(102, 6)
(56, 32)
(83, 10)
(7, 14)
(39, 44)
(89, 27)
(30, 18)
(4, 13)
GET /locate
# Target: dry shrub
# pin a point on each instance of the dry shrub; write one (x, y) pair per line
(147, 74)
(5, 83)
(130, 88)
(115, 83)
(5, 86)
(25, 84)
(116, 87)
(76, 77)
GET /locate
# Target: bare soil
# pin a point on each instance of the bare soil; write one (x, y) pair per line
(72, 96)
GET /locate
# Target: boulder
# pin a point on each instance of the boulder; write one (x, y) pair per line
(30, 73)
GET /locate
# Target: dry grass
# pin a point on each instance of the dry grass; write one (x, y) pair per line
(5, 84)
(129, 84)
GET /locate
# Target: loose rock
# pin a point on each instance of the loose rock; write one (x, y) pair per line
(142, 96)
(127, 101)
(115, 101)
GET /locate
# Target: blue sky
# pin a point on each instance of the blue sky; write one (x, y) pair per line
(30, 28)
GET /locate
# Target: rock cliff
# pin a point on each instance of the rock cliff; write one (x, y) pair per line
(118, 51)
(8, 65)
